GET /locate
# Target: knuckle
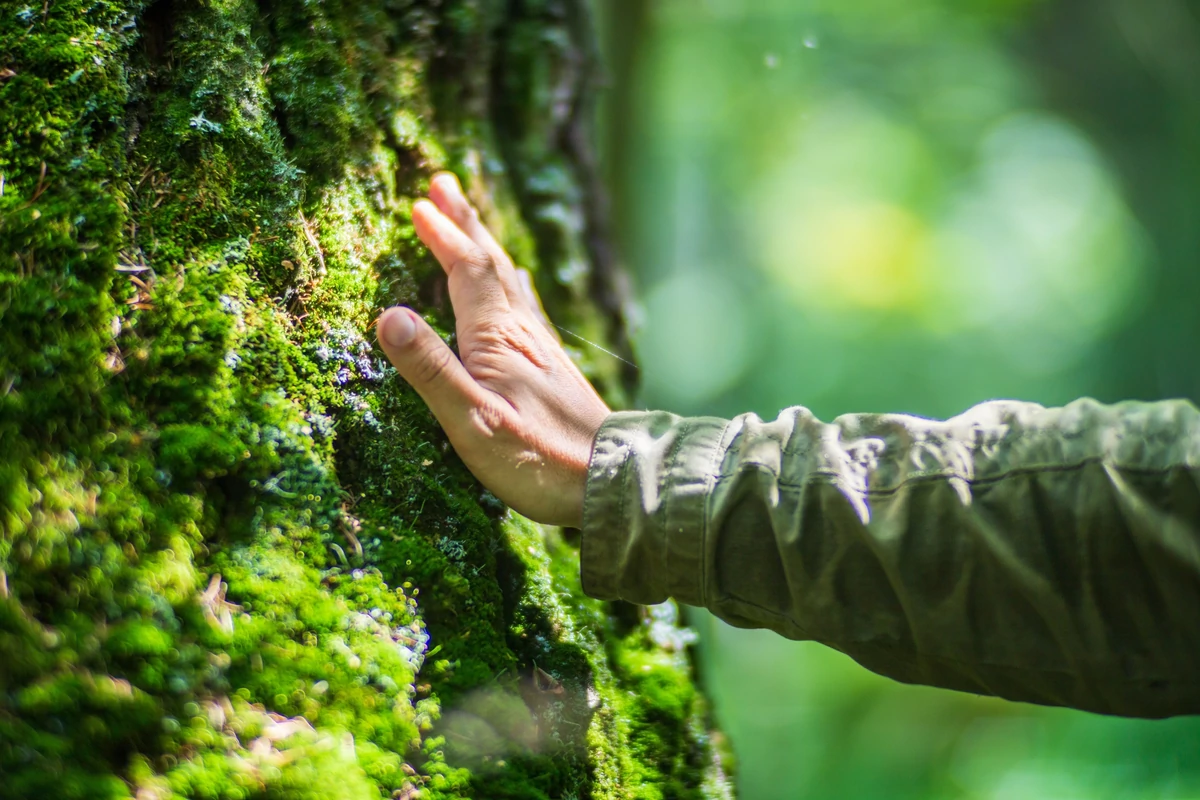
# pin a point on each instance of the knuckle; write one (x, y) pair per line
(435, 366)
(522, 339)
(488, 359)
(488, 330)
(507, 337)
(467, 211)
(491, 420)
(504, 330)
(477, 261)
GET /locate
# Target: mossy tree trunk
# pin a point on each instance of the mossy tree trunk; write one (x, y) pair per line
(238, 558)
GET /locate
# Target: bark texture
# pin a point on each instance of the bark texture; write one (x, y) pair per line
(238, 558)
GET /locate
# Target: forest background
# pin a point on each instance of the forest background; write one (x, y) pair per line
(873, 205)
(860, 205)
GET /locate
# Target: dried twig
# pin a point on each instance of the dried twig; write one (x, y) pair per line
(41, 187)
(126, 262)
(350, 527)
(312, 239)
(545, 682)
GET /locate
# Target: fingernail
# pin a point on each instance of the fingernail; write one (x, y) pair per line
(397, 327)
(452, 180)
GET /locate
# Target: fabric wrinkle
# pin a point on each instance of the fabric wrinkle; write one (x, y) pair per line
(987, 553)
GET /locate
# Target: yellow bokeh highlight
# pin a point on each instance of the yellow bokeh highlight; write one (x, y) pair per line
(870, 255)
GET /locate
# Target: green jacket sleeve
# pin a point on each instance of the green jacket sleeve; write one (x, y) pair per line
(1044, 555)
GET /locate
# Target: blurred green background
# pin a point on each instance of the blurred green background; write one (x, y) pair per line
(876, 205)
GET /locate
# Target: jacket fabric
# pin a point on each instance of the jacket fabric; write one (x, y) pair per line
(1043, 555)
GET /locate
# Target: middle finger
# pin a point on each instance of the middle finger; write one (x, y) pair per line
(476, 291)
(446, 193)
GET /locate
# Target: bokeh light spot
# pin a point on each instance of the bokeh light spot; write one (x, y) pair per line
(696, 339)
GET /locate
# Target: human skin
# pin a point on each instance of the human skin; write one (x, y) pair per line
(517, 410)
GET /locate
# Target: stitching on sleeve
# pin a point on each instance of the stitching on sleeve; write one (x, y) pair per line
(589, 502)
(833, 477)
(625, 469)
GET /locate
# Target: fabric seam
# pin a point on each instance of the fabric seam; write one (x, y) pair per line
(931, 476)
(589, 501)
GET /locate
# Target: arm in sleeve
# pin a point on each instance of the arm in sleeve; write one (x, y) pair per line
(1044, 555)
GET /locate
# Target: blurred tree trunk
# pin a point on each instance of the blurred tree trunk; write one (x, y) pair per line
(1128, 72)
(238, 557)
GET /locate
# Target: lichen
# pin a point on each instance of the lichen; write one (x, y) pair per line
(238, 557)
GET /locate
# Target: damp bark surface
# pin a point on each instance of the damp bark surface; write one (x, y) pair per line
(238, 558)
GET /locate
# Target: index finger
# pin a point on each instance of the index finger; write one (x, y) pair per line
(446, 193)
(475, 284)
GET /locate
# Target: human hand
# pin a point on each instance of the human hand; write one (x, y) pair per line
(516, 408)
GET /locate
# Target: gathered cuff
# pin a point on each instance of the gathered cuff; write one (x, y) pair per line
(645, 507)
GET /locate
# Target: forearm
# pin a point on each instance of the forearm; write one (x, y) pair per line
(1048, 555)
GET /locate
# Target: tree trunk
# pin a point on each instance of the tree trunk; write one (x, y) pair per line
(1128, 73)
(239, 558)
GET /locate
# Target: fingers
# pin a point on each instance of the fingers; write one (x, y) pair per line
(424, 360)
(476, 288)
(447, 194)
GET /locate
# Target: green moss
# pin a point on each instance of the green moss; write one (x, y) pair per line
(238, 557)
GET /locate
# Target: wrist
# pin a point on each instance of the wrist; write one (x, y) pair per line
(579, 474)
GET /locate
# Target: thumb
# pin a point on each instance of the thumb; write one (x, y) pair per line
(428, 364)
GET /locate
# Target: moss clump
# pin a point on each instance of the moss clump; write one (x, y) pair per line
(238, 558)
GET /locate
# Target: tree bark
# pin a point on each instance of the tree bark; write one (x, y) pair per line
(239, 558)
